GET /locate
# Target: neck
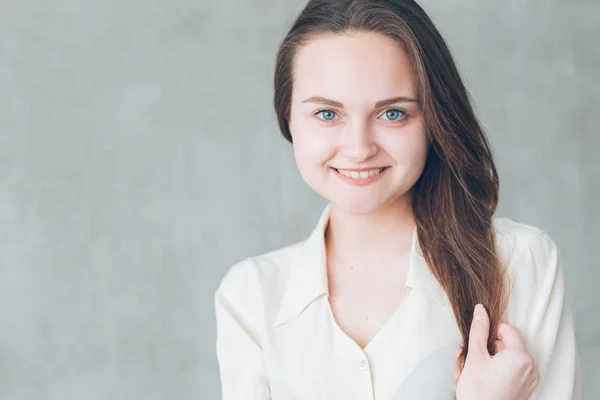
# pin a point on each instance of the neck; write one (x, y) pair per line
(370, 239)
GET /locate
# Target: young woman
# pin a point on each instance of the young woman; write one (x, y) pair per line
(377, 301)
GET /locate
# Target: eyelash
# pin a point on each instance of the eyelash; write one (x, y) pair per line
(405, 114)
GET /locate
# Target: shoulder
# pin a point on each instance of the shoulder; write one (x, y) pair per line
(261, 277)
(533, 265)
(516, 240)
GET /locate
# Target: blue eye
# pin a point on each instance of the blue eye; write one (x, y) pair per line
(327, 115)
(394, 114)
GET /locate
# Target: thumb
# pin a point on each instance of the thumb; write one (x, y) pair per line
(480, 331)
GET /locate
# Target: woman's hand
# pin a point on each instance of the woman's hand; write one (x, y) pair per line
(508, 375)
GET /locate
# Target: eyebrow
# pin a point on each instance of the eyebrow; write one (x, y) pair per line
(379, 104)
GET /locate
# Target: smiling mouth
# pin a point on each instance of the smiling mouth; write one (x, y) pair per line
(364, 174)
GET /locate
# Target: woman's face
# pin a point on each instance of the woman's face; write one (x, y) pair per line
(358, 133)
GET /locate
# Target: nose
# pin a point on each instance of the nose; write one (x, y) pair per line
(358, 141)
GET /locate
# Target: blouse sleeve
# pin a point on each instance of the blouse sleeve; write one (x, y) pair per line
(241, 367)
(539, 310)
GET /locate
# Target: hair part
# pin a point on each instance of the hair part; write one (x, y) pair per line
(457, 194)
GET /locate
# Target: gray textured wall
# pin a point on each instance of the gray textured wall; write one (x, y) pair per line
(139, 159)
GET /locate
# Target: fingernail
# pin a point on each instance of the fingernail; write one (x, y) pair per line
(478, 314)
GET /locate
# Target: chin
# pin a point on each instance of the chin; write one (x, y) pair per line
(357, 206)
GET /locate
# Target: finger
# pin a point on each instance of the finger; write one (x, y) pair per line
(456, 375)
(479, 333)
(498, 346)
(510, 337)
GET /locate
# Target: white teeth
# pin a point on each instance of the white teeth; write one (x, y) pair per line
(361, 174)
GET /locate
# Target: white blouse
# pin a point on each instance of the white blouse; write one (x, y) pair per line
(277, 338)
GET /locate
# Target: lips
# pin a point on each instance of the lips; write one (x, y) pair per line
(363, 174)
(362, 177)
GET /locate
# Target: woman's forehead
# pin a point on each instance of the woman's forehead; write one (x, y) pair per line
(361, 65)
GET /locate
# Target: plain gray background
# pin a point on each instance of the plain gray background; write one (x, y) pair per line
(140, 159)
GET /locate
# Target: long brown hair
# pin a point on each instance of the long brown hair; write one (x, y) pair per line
(456, 196)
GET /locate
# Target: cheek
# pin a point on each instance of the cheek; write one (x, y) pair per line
(311, 146)
(409, 149)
